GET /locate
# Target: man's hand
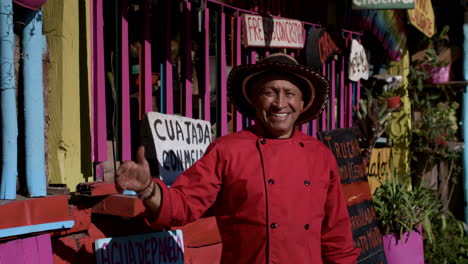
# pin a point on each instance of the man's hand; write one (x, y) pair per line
(134, 176)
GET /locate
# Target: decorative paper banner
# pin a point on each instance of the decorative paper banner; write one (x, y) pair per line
(261, 31)
(366, 234)
(320, 48)
(157, 248)
(383, 4)
(358, 65)
(174, 142)
(388, 27)
(379, 167)
(422, 17)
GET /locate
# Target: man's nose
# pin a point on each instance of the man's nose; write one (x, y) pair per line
(280, 100)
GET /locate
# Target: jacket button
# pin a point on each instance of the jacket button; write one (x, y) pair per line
(271, 181)
(306, 227)
(274, 225)
(306, 182)
(301, 144)
(263, 142)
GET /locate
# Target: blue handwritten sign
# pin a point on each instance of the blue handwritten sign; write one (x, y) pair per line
(156, 248)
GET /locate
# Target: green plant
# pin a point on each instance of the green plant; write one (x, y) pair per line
(373, 118)
(437, 125)
(393, 92)
(400, 209)
(449, 243)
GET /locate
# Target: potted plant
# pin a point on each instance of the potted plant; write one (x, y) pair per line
(392, 97)
(403, 214)
(436, 58)
(389, 89)
(437, 125)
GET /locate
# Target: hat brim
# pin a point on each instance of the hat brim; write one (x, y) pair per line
(318, 87)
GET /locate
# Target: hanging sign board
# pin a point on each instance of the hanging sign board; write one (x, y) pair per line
(320, 48)
(160, 247)
(422, 17)
(261, 31)
(174, 143)
(366, 234)
(358, 68)
(383, 4)
(379, 167)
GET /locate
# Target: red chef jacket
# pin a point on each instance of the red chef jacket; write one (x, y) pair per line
(275, 200)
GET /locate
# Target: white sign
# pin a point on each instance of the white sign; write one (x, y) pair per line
(176, 141)
(161, 247)
(358, 67)
(383, 4)
(260, 31)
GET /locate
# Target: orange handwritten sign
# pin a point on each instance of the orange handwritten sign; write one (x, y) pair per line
(422, 17)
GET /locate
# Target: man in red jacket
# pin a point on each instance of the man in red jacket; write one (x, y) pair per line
(275, 191)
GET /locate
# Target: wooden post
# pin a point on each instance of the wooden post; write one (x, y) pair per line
(206, 64)
(125, 92)
(8, 103)
(72, 109)
(146, 87)
(238, 116)
(168, 64)
(188, 59)
(342, 94)
(333, 95)
(221, 119)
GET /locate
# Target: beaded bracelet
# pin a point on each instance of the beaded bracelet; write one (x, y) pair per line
(144, 195)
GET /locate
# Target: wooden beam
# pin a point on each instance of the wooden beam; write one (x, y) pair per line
(34, 211)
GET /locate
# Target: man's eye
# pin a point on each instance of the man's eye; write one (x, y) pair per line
(290, 94)
(268, 93)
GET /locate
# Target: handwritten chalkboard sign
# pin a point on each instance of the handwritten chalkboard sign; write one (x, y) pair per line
(366, 234)
(157, 248)
(174, 143)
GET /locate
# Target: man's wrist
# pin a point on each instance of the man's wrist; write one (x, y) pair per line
(148, 192)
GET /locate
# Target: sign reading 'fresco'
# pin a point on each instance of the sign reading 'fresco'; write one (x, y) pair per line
(261, 31)
(366, 234)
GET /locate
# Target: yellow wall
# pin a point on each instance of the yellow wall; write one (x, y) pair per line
(399, 129)
(67, 163)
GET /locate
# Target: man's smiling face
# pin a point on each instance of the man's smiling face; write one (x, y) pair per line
(278, 103)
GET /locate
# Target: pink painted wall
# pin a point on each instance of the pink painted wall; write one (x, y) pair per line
(36, 250)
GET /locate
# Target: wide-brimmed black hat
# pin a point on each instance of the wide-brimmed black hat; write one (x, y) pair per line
(314, 86)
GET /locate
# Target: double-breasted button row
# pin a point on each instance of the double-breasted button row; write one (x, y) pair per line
(271, 181)
(275, 225)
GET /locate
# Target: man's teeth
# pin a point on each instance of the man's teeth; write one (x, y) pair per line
(280, 115)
